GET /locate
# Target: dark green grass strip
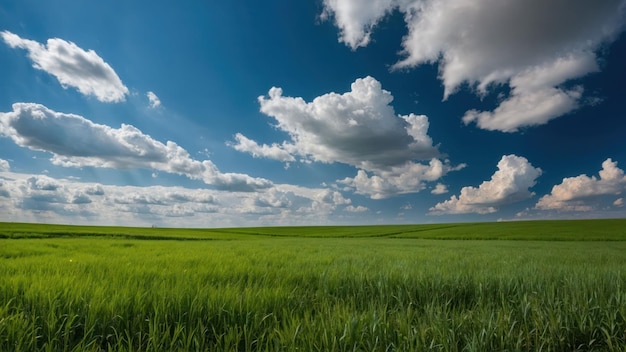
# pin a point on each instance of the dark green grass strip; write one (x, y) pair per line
(553, 230)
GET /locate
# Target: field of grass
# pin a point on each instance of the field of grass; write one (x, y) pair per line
(524, 286)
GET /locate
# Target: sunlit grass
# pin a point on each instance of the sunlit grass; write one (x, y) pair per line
(272, 293)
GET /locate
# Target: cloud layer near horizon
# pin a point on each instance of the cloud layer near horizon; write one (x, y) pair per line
(40, 198)
(487, 43)
(74, 67)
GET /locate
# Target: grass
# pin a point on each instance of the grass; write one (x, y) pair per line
(556, 230)
(315, 289)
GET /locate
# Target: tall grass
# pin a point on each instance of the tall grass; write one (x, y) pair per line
(311, 294)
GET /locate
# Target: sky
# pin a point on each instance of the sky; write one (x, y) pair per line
(316, 112)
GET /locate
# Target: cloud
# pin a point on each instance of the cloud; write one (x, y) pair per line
(26, 197)
(584, 193)
(509, 184)
(155, 102)
(533, 99)
(75, 141)
(440, 189)
(357, 209)
(72, 66)
(408, 178)
(358, 128)
(246, 145)
(42, 198)
(356, 19)
(4, 165)
(534, 46)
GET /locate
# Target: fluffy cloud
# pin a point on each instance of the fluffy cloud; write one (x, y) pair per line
(358, 128)
(357, 18)
(75, 141)
(41, 198)
(533, 45)
(440, 189)
(357, 209)
(72, 66)
(4, 165)
(155, 102)
(408, 178)
(584, 193)
(509, 184)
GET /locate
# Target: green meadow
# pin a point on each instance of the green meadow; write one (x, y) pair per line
(515, 286)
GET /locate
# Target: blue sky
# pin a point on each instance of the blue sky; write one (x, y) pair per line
(219, 114)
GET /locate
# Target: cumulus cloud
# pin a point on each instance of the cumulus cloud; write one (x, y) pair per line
(509, 184)
(358, 128)
(155, 102)
(4, 165)
(534, 46)
(440, 188)
(584, 193)
(72, 66)
(75, 141)
(408, 178)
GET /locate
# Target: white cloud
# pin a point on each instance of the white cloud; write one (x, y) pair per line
(509, 184)
(440, 188)
(72, 66)
(246, 145)
(356, 18)
(533, 45)
(75, 141)
(533, 99)
(584, 193)
(358, 128)
(408, 178)
(357, 209)
(619, 202)
(26, 197)
(155, 102)
(4, 165)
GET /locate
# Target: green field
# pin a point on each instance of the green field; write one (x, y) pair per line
(516, 286)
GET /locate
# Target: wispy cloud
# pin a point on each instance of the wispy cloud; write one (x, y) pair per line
(274, 151)
(155, 102)
(72, 66)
